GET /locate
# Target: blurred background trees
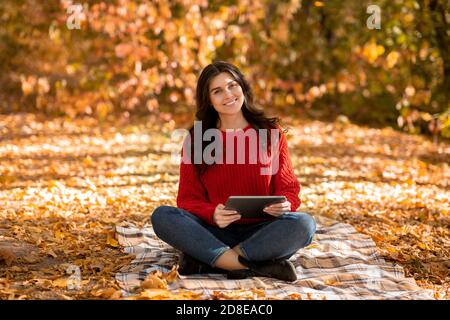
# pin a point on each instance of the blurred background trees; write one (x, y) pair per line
(318, 57)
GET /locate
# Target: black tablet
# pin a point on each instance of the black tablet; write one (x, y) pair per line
(252, 206)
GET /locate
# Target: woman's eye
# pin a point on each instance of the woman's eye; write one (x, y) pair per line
(230, 86)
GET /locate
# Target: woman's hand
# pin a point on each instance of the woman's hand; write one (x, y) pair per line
(224, 217)
(278, 209)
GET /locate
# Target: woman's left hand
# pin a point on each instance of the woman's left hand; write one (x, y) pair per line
(278, 209)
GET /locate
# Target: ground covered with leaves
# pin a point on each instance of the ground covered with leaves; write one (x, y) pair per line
(65, 184)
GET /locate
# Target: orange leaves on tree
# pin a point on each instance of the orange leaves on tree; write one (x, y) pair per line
(371, 51)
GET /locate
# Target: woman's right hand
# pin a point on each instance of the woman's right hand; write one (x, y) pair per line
(224, 217)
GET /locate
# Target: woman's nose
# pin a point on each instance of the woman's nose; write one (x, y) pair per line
(228, 93)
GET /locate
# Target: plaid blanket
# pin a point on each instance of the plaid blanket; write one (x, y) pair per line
(339, 264)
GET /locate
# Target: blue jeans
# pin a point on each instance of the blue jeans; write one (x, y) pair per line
(276, 239)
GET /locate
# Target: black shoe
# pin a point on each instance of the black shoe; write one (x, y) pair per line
(240, 274)
(189, 265)
(279, 269)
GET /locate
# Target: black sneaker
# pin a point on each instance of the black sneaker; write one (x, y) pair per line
(279, 269)
(240, 274)
(189, 265)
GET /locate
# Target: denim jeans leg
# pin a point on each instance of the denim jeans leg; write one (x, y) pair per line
(281, 238)
(187, 233)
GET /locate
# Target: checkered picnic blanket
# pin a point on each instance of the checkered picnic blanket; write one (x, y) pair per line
(339, 264)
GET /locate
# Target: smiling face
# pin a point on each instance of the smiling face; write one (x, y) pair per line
(226, 94)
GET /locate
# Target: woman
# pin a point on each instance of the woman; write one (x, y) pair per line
(212, 238)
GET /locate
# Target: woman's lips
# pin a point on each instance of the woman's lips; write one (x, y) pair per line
(230, 103)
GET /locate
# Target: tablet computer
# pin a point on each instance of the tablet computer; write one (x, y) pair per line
(252, 206)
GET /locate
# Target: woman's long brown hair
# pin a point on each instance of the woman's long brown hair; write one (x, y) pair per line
(209, 116)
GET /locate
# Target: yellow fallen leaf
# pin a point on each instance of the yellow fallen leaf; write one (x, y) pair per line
(295, 296)
(55, 184)
(392, 249)
(88, 161)
(4, 179)
(58, 234)
(106, 293)
(116, 295)
(111, 240)
(157, 294)
(172, 275)
(60, 283)
(251, 294)
(153, 282)
(330, 282)
(423, 246)
(378, 238)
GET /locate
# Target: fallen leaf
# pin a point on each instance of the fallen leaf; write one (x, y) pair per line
(30, 260)
(172, 275)
(97, 266)
(16, 269)
(330, 282)
(58, 234)
(60, 283)
(423, 246)
(7, 256)
(152, 282)
(106, 293)
(110, 240)
(392, 249)
(52, 253)
(160, 294)
(252, 294)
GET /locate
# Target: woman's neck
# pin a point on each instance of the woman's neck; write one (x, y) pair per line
(230, 122)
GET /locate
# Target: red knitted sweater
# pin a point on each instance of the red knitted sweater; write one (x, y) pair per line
(223, 180)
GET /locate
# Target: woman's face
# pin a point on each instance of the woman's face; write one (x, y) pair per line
(226, 94)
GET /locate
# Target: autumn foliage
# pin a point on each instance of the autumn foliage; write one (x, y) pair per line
(132, 56)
